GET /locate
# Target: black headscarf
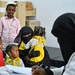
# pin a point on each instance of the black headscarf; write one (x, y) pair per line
(24, 31)
(64, 27)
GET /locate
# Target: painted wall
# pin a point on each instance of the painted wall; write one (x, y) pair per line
(48, 11)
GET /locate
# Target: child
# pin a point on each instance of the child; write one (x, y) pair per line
(13, 59)
(9, 26)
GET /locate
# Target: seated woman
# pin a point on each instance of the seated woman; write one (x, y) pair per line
(32, 55)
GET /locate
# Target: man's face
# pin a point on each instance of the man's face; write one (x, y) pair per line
(10, 10)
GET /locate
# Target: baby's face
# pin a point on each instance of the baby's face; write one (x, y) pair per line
(15, 52)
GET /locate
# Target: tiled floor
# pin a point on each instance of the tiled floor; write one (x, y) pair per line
(54, 53)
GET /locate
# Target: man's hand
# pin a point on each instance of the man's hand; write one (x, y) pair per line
(39, 71)
(34, 67)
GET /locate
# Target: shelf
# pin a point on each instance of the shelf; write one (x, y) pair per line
(31, 13)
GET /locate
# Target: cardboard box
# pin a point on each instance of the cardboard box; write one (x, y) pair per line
(2, 11)
(31, 13)
(2, 14)
(32, 23)
(3, 3)
(29, 6)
